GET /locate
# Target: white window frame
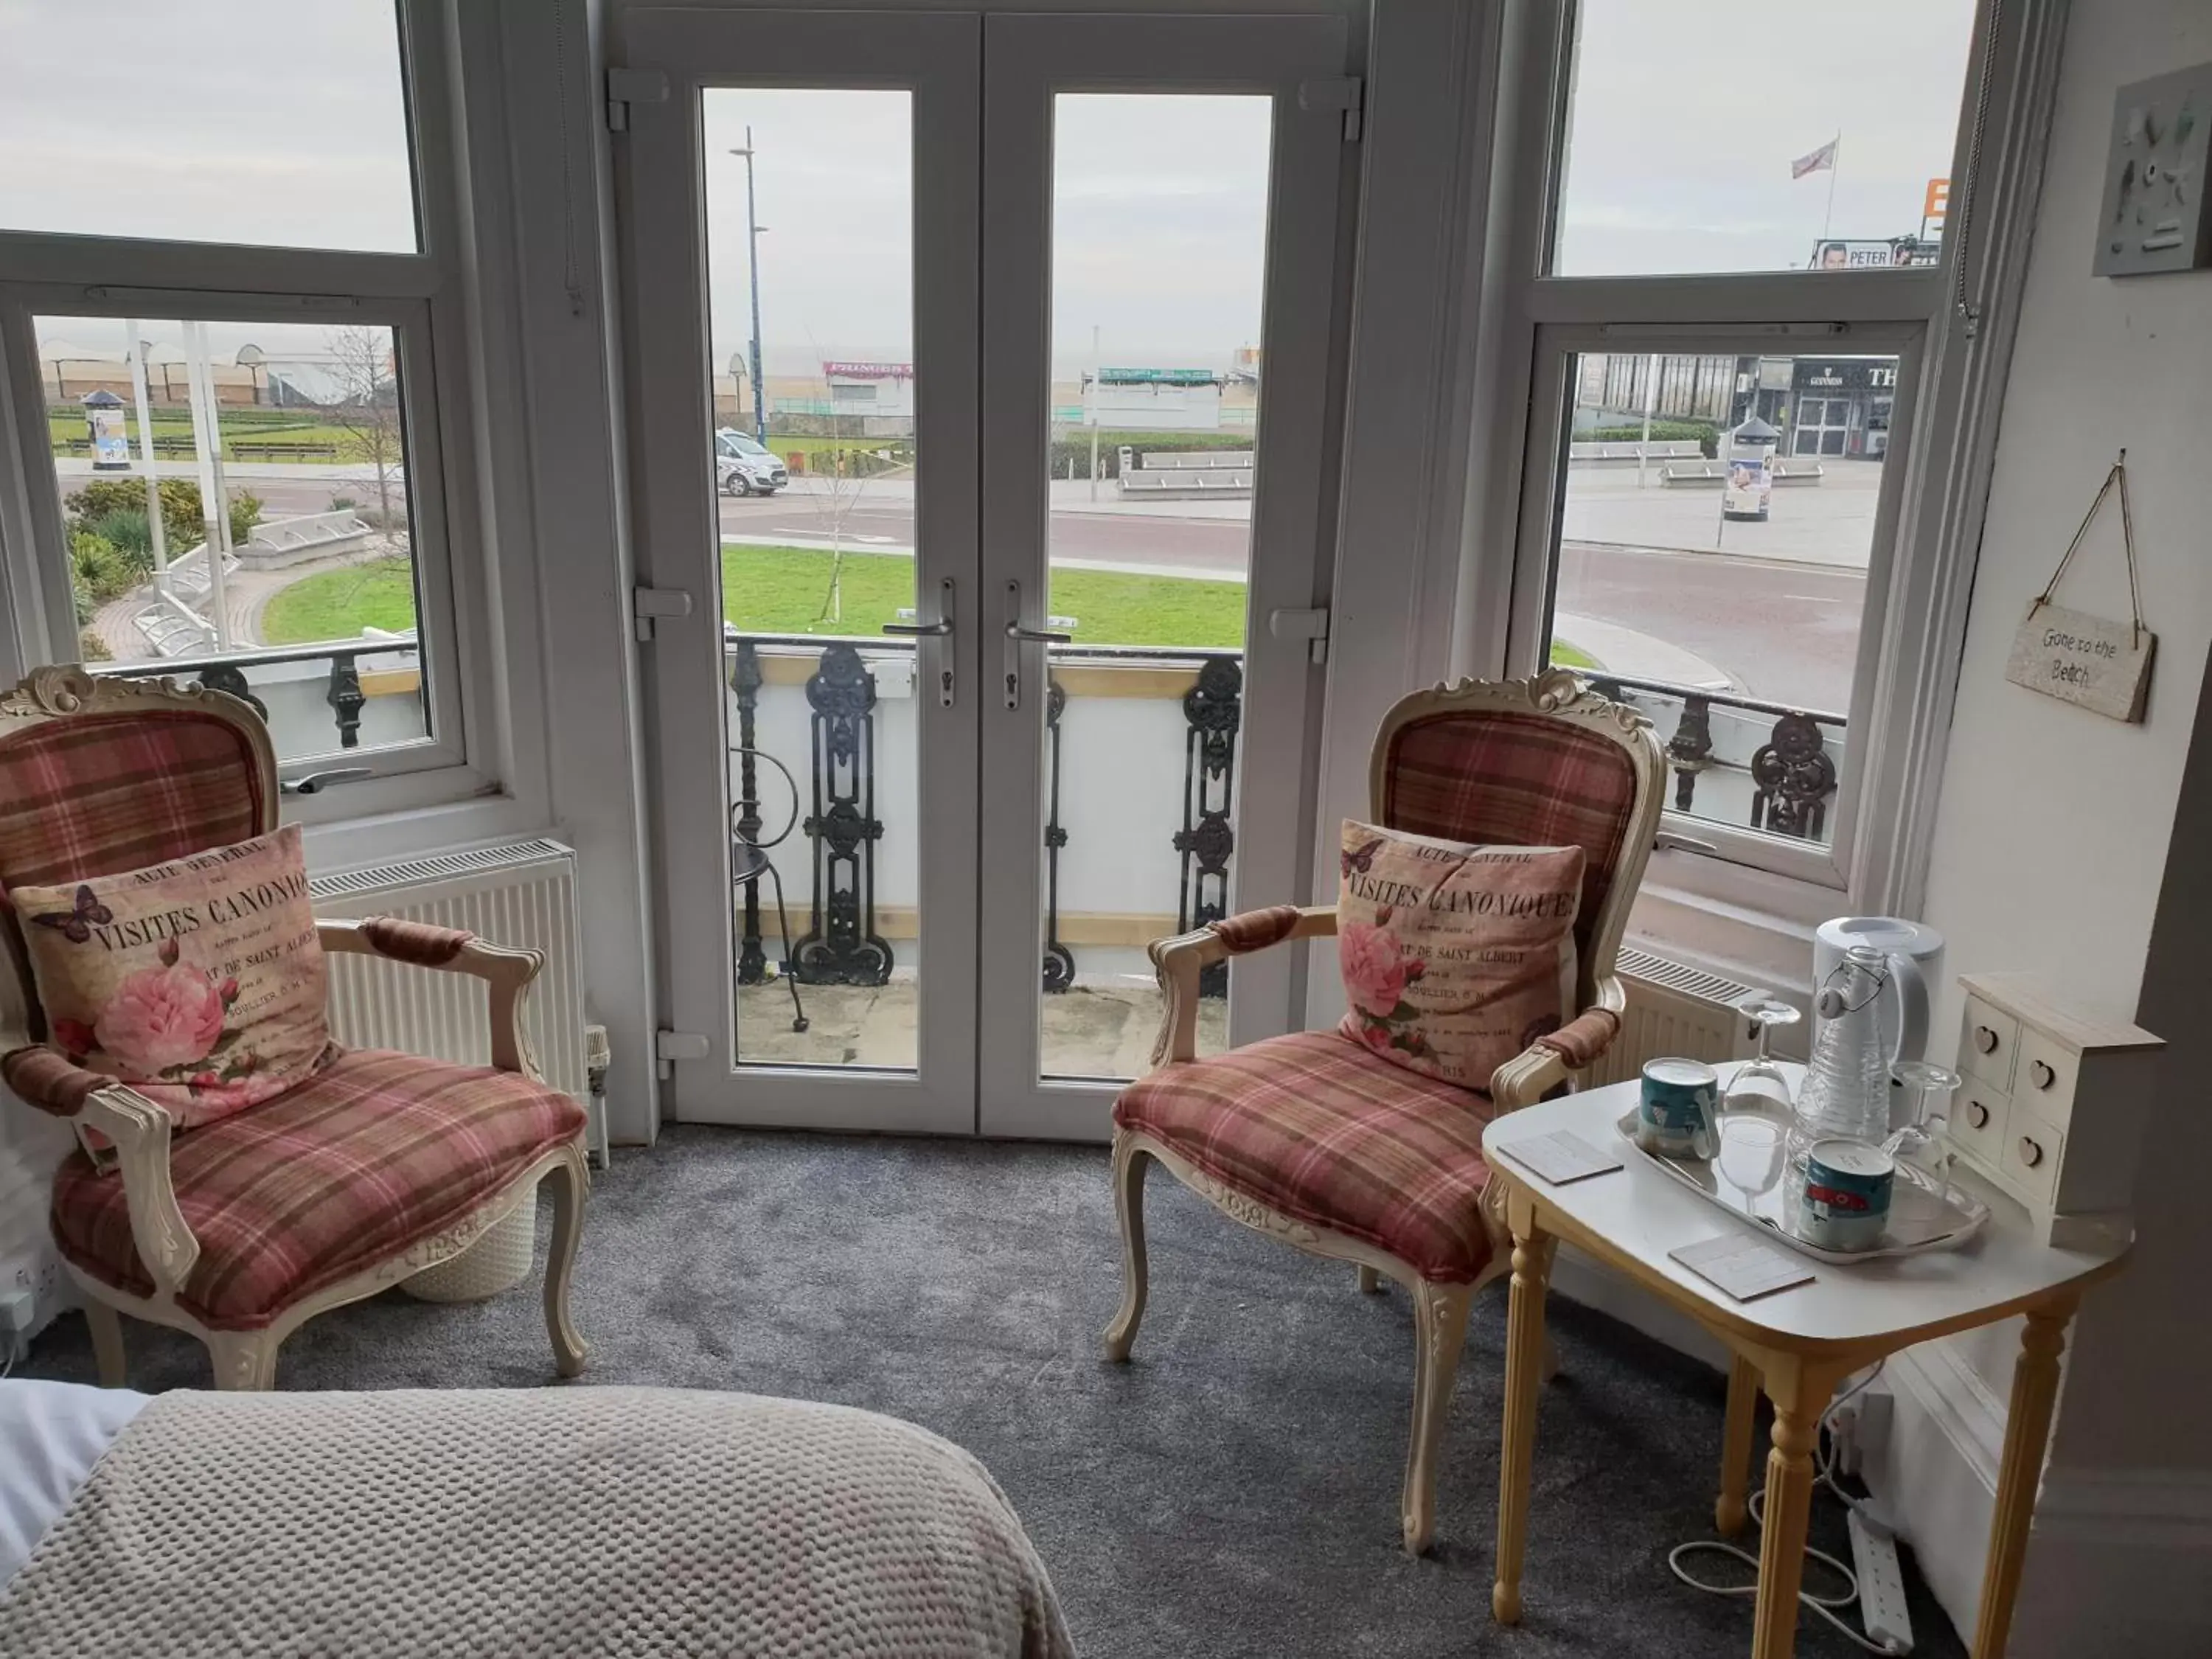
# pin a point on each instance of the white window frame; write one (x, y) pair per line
(422, 296)
(1528, 642)
(1956, 326)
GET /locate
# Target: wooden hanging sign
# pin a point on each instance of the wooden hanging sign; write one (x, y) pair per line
(2091, 661)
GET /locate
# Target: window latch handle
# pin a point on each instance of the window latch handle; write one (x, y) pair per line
(313, 783)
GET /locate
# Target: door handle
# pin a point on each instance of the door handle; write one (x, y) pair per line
(1017, 637)
(939, 629)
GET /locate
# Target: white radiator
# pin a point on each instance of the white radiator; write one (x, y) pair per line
(522, 893)
(1674, 1010)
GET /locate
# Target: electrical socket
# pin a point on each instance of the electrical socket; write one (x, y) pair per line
(17, 1308)
(1858, 1431)
(1870, 1435)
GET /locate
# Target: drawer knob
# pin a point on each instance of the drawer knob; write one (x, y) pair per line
(1978, 1115)
(2030, 1153)
(1985, 1039)
(2044, 1076)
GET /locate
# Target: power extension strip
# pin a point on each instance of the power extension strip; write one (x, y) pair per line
(1881, 1584)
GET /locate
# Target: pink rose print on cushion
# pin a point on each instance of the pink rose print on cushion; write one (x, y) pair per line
(161, 1018)
(1375, 974)
(74, 1037)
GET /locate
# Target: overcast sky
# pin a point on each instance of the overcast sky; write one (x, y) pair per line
(1687, 116)
(1688, 113)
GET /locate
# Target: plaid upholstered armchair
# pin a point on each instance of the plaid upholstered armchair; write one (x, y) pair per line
(376, 1167)
(1315, 1139)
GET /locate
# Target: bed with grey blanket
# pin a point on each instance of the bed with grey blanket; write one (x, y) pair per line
(531, 1522)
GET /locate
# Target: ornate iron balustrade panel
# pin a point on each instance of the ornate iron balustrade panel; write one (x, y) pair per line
(1792, 775)
(1059, 961)
(745, 683)
(842, 946)
(1795, 778)
(1213, 710)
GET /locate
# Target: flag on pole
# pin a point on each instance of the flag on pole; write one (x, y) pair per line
(1823, 159)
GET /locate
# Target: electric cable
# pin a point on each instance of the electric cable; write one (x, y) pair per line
(1828, 1607)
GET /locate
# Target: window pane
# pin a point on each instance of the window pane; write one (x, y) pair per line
(810, 266)
(1704, 137)
(299, 429)
(1159, 241)
(256, 121)
(1715, 530)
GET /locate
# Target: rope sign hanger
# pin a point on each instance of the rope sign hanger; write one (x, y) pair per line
(2091, 661)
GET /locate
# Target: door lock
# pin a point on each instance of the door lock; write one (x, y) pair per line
(1017, 637)
(939, 629)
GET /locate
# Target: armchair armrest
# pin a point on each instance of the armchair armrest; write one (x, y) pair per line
(506, 972)
(1555, 1057)
(1178, 962)
(136, 1130)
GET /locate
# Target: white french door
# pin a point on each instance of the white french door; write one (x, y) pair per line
(976, 719)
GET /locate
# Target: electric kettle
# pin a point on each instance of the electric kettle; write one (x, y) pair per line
(1915, 952)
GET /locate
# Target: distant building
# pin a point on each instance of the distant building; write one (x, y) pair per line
(1837, 408)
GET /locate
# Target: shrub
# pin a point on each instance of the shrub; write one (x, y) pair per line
(90, 648)
(343, 503)
(125, 529)
(103, 571)
(244, 513)
(181, 509)
(1706, 435)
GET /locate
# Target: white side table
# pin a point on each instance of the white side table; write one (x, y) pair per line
(1797, 1344)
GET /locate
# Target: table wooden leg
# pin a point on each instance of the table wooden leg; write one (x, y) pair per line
(1729, 1513)
(1800, 1394)
(2027, 1431)
(1524, 1359)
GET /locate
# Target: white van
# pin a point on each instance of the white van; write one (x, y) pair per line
(743, 467)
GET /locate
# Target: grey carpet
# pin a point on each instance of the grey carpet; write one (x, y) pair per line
(1234, 1491)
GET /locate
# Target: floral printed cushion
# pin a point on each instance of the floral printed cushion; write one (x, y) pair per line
(1454, 957)
(200, 983)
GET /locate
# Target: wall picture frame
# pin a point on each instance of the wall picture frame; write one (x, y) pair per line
(2153, 219)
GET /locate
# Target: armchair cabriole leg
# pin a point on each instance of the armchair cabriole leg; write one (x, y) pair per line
(1130, 1161)
(1439, 1332)
(245, 1361)
(106, 1327)
(570, 1181)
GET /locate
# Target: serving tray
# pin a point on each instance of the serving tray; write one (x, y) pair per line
(1921, 1218)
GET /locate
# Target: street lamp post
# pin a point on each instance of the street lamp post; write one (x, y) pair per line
(753, 228)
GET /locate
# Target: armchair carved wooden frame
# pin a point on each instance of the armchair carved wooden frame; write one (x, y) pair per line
(235, 799)
(1432, 717)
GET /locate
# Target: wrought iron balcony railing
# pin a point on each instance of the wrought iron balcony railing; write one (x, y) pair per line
(1780, 756)
(226, 671)
(842, 943)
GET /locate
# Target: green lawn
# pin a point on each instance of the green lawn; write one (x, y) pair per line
(339, 603)
(780, 590)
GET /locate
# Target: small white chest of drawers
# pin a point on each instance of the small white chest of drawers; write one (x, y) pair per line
(2054, 1104)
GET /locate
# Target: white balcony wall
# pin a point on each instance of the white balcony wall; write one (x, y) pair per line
(303, 723)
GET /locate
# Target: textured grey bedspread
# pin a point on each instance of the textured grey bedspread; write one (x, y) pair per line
(583, 1521)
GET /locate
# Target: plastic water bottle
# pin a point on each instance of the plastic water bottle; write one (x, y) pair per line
(1846, 1090)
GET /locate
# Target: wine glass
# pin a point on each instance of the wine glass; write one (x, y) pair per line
(1758, 1085)
(1752, 1144)
(1920, 1143)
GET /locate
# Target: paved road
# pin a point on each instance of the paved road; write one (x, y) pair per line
(1787, 631)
